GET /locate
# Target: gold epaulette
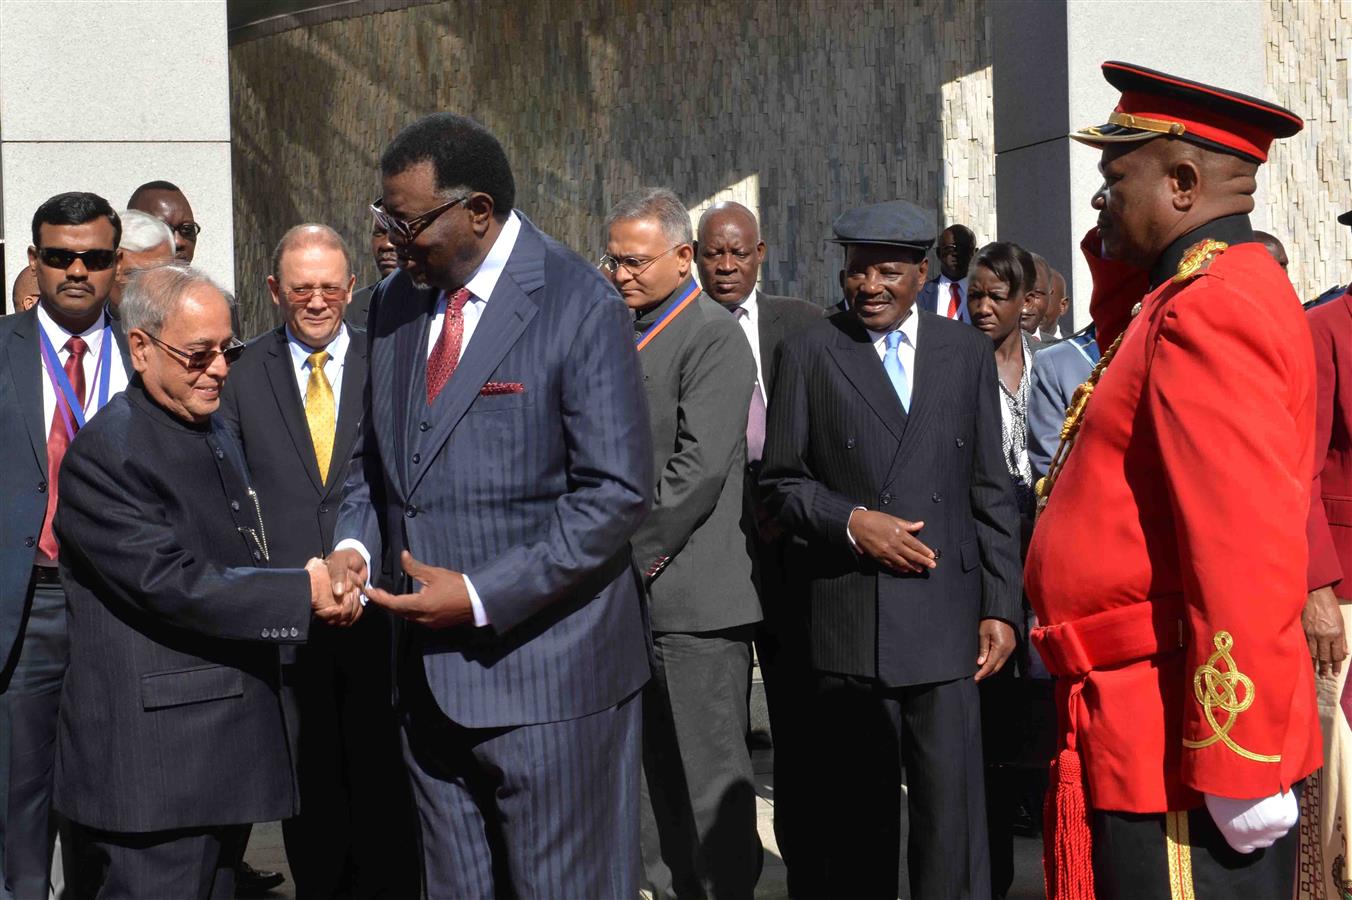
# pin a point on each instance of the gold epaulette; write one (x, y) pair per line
(1197, 258)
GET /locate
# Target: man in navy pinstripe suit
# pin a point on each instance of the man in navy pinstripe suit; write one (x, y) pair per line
(504, 464)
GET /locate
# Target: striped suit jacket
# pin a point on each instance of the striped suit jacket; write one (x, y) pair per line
(838, 438)
(533, 491)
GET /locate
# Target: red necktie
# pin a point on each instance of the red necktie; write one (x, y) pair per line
(58, 439)
(954, 300)
(446, 352)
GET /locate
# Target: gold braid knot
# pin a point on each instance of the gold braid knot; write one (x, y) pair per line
(1230, 691)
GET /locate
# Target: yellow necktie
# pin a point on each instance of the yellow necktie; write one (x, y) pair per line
(319, 414)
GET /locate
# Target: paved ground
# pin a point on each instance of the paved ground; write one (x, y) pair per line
(265, 850)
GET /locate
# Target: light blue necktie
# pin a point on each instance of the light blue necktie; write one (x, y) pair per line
(896, 372)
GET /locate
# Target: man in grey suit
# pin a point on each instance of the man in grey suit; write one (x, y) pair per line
(60, 362)
(172, 732)
(883, 458)
(699, 828)
(503, 466)
(728, 256)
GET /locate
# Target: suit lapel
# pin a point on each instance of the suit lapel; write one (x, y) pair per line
(930, 387)
(349, 408)
(768, 331)
(25, 367)
(858, 360)
(283, 379)
(506, 314)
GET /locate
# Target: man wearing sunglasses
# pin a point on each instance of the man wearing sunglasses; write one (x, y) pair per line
(61, 363)
(172, 729)
(164, 201)
(294, 400)
(503, 466)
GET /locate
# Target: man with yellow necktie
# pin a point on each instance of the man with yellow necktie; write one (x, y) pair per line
(294, 400)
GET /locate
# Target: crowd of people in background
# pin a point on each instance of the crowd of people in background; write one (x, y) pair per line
(463, 574)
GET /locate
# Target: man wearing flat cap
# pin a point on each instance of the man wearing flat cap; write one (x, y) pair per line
(883, 461)
(1185, 687)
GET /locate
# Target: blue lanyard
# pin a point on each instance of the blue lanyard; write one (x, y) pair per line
(61, 381)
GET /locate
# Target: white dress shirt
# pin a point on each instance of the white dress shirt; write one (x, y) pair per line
(333, 366)
(93, 337)
(750, 324)
(480, 286)
(944, 296)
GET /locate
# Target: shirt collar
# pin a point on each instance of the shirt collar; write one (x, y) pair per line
(58, 335)
(485, 278)
(908, 329)
(300, 351)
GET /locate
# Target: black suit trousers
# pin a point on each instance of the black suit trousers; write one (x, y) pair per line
(865, 736)
(185, 864)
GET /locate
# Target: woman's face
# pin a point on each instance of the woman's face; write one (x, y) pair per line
(993, 307)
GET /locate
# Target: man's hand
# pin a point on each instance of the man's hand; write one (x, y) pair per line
(1323, 624)
(1249, 825)
(890, 541)
(329, 605)
(347, 571)
(996, 641)
(441, 600)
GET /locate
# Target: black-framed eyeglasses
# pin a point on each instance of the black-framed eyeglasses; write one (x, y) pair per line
(332, 293)
(634, 265)
(403, 231)
(61, 258)
(202, 359)
(189, 230)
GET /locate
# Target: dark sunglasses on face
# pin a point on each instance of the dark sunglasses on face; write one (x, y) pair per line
(403, 231)
(61, 258)
(202, 359)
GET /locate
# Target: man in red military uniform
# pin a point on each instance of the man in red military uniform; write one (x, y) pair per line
(1169, 565)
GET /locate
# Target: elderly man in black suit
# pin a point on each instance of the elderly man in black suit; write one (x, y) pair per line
(699, 815)
(171, 730)
(294, 402)
(728, 256)
(883, 459)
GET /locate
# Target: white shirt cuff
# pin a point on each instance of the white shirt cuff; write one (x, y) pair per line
(354, 544)
(480, 616)
(847, 527)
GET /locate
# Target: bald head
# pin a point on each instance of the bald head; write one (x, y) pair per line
(25, 291)
(1273, 247)
(728, 252)
(311, 234)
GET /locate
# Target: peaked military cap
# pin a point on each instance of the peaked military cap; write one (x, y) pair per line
(1345, 218)
(895, 223)
(1155, 104)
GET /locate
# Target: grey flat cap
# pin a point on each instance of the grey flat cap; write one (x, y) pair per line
(895, 223)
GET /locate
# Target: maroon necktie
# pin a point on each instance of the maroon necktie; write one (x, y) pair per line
(446, 352)
(58, 439)
(954, 300)
(755, 414)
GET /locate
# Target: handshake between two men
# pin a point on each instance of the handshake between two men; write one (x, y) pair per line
(440, 599)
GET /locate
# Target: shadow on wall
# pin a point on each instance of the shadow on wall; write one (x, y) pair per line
(828, 103)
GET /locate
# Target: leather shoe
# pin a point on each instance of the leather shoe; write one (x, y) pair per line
(250, 882)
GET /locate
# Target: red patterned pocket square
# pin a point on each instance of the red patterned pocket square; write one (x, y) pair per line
(502, 387)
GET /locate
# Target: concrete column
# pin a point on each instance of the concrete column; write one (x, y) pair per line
(1047, 82)
(103, 97)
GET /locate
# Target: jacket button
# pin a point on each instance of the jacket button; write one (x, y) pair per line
(886, 498)
(417, 458)
(849, 444)
(234, 505)
(29, 542)
(424, 426)
(410, 510)
(257, 556)
(960, 442)
(323, 509)
(937, 497)
(42, 487)
(265, 632)
(276, 633)
(295, 633)
(220, 454)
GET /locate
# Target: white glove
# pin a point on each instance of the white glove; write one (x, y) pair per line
(1249, 825)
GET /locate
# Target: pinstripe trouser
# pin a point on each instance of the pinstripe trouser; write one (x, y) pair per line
(531, 811)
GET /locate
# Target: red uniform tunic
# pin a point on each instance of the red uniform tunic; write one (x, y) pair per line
(1187, 490)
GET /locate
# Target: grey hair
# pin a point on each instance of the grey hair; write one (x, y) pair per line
(657, 203)
(152, 295)
(142, 231)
